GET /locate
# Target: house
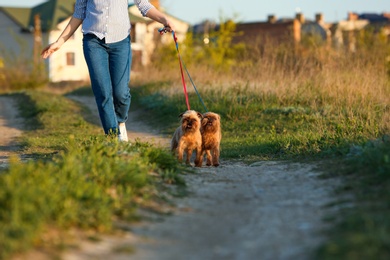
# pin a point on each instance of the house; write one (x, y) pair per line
(25, 30)
(317, 29)
(272, 30)
(344, 32)
(282, 31)
(298, 29)
(145, 36)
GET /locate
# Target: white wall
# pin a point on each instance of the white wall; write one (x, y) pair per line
(145, 33)
(58, 69)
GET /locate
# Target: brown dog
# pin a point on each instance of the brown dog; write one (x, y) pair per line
(187, 137)
(211, 138)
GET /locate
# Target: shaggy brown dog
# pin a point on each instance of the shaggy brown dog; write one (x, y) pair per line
(187, 137)
(211, 138)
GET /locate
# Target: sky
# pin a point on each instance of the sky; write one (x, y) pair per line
(197, 11)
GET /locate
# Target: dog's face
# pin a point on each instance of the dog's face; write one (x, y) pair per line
(190, 121)
(211, 122)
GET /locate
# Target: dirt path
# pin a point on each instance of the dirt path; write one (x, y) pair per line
(267, 210)
(10, 128)
(136, 129)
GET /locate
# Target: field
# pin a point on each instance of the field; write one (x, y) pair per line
(276, 103)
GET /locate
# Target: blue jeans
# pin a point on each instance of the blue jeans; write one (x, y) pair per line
(109, 70)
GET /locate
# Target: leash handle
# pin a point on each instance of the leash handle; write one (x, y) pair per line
(162, 30)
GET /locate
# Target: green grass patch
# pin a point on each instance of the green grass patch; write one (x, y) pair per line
(86, 180)
(364, 230)
(259, 125)
(50, 120)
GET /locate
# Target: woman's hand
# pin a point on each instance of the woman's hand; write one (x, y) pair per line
(158, 16)
(50, 49)
(168, 26)
(69, 30)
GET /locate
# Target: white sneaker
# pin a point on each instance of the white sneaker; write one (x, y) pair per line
(122, 133)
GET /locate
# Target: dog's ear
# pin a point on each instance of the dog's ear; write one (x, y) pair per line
(181, 114)
(204, 121)
(199, 115)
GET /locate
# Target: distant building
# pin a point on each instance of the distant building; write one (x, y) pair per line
(272, 30)
(296, 30)
(284, 30)
(344, 32)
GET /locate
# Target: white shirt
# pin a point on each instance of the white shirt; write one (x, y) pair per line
(107, 19)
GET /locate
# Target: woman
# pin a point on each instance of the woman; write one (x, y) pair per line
(107, 51)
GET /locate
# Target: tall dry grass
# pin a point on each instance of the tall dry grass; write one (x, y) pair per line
(317, 77)
(21, 74)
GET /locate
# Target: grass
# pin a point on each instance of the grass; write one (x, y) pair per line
(319, 104)
(78, 178)
(278, 103)
(51, 119)
(363, 231)
(259, 124)
(274, 103)
(19, 73)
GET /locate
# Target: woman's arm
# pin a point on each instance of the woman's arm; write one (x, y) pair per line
(158, 16)
(69, 30)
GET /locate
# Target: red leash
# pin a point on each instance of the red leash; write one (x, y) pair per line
(181, 71)
(162, 31)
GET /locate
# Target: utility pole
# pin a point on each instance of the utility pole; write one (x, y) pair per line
(37, 43)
